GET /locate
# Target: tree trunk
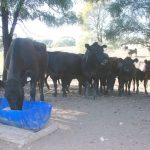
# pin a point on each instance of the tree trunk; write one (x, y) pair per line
(7, 43)
(6, 37)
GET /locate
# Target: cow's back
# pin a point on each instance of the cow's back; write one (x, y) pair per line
(63, 62)
(24, 56)
(21, 56)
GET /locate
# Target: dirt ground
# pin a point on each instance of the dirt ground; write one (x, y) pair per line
(106, 123)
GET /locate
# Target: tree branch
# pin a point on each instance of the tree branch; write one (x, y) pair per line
(16, 14)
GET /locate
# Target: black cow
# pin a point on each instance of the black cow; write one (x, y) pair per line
(109, 73)
(147, 74)
(142, 75)
(64, 66)
(139, 76)
(93, 58)
(126, 73)
(25, 58)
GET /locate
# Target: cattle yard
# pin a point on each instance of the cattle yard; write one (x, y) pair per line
(110, 122)
(142, 54)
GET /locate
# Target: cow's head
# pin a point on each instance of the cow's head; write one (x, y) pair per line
(128, 64)
(96, 52)
(14, 93)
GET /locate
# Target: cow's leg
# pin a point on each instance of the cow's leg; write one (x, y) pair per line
(55, 87)
(32, 90)
(129, 85)
(101, 86)
(137, 86)
(64, 86)
(145, 85)
(68, 85)
(109, 84)
(80, 86)
(87, 86)
(134, 84)
(112, 83)
(67, 88)
(41, 85)
(120, 87)
(126, 87)
(46, 81)
(95, 88)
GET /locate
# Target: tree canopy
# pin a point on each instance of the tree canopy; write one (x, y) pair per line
(51, 12)
(94, 19)
(130, 21)
(64, 41)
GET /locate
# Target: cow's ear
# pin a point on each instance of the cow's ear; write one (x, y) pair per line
(135, 60)
(87, 46)
(104, 46)
(145, 61)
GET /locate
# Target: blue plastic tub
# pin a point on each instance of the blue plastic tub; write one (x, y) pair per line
(33, 116)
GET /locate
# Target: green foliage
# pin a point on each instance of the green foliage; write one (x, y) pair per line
(96, 1)
(85, 13)
(115, 9)
(131, 19)
(64, 41)
(51, 12)
(46, 41)
(87, 38)
(95, 19)
(49, 44)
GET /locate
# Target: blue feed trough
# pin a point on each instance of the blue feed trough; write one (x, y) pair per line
(33, 116)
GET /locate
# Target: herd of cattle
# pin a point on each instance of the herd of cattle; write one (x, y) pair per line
(28, 58)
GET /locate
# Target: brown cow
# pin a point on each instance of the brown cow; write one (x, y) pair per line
(132, 51)
(25, 58)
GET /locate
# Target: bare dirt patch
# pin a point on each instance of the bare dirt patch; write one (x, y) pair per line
(107, 123)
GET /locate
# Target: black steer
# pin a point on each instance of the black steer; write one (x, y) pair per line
(93, 58)
(24, 58)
